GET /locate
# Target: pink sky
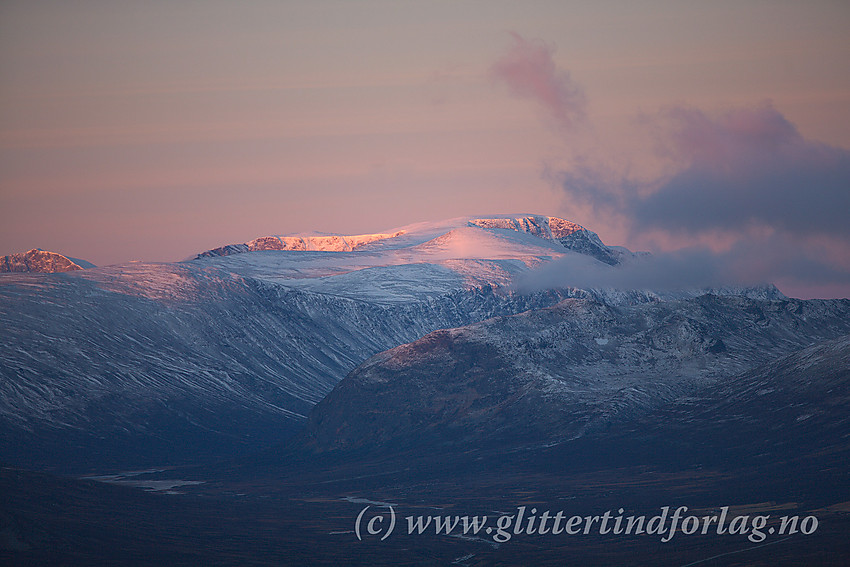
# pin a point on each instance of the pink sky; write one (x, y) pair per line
(152, 131)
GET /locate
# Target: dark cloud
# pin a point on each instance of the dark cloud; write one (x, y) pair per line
(747, 167)
(529, 71)
(746, 176)
(747, 263)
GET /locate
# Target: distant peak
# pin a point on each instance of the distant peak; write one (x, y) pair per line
(37, 260)
(569, 234)
(324, 243)
(551, 228)
(562, 227)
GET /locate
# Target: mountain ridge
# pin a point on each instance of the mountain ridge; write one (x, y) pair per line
(549, 375)
(567, 233)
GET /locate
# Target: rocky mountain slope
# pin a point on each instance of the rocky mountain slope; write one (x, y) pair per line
(546, 377)
(781, 413)
(161, 363)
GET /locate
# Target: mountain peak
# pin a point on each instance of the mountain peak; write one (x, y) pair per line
(551, 228)
(566, 233)
(37, 260)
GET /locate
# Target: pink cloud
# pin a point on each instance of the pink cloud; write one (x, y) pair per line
(729, 139)
(529, 71)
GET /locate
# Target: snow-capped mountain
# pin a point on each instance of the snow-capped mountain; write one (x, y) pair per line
(147, 363)
(414, 261)
(159, 362)
(547, 228)
(37, 260)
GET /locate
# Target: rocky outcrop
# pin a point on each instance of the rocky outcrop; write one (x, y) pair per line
(37, 260)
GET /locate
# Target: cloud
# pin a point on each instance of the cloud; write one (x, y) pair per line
(747, 263)
(747, 167)
(686, 269)
(745, 198)
(529, 71)
(746, 178)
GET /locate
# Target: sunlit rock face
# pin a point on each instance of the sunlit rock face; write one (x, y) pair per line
(330, 243)
(37, 261)
(568, 234)
(543, 227)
